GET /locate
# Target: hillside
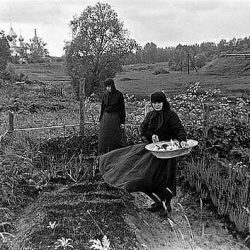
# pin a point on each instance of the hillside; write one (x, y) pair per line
(228, 65)
(229, 74)
(53, 73)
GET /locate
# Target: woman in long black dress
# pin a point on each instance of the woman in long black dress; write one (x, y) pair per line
(135, 169)
(112, 119)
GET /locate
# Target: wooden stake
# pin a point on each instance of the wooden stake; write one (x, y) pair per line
(11, 122)
(193, 64)
(248, 118)
(81, 105)
(145, 108)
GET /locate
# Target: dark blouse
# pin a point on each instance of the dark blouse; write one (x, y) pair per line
(113, 102)
(166, 125)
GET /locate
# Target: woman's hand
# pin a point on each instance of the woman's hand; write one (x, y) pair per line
(184, 144)
(122, 126)
(155, 138)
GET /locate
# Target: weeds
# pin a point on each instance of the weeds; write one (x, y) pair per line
(104, 244)
(52, 226)
(28, 161)
(63, 243)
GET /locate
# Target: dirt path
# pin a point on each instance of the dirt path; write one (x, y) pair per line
(187, 227)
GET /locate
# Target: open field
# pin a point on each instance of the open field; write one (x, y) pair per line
(44, 72)
(140, 79)
(141, 82)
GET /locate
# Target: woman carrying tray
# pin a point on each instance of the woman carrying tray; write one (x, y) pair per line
(135, 169)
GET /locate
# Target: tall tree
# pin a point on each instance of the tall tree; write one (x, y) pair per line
(4, 51)
(99, 46)
(150, 53)
(37, 51)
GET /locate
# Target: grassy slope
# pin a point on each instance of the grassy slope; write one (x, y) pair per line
(228, 65)
(231, 75)
(53, 73)
(144, 82)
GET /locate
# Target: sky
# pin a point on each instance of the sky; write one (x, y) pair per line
(163, 22)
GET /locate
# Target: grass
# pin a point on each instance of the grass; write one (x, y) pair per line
(45, 72)
(143, 82)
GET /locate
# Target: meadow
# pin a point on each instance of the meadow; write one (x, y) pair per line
(214, 109)
(142, 80)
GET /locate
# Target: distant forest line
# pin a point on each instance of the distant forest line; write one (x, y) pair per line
(197, 54)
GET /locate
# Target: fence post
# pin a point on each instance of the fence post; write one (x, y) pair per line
(81, 105)
(145, 107)
(11, 122)
(188, 63)
(248, 118)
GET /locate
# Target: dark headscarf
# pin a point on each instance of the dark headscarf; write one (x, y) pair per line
(160, 97)
(159, 117)
(110, 97)
(113, 101)
(110, 82)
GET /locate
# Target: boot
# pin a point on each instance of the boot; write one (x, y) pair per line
(155, 207)
(166, 208)
(168, 205)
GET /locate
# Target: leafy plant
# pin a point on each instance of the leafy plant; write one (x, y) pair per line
(103, 244)
(63, 243)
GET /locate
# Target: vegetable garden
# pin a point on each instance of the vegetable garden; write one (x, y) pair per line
(218, 168)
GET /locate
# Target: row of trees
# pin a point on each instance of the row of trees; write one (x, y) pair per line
(100, 46)
(4, 51)
(199, 54)
(33, 51)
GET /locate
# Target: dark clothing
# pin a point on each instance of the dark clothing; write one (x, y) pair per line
(113, 102)
(135, 169)
(165, 124)
(112, 115)
(111, 136)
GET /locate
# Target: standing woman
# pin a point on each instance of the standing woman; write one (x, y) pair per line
(112, 119)
(135, 169)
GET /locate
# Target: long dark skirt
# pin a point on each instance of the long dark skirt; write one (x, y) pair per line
(135, 169)
(111, 136)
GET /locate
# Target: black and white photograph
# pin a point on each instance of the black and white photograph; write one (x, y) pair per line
(124, 124)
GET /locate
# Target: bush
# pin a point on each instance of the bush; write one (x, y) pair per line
(8, 73)
(4, 52)
(161, 71)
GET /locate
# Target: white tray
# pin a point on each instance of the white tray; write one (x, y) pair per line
(166, 154)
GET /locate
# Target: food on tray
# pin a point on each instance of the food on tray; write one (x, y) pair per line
(171, 149)
(172, 145)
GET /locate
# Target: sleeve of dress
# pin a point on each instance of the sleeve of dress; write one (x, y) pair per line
(102, 110)
(122, 109)
(176, 127)
(145, 132)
